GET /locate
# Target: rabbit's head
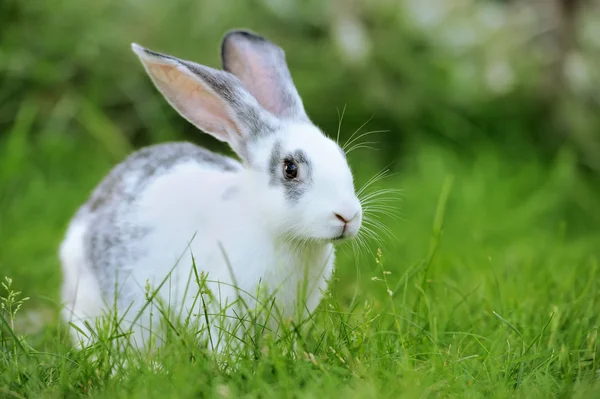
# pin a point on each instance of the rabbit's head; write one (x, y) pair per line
(254, 106)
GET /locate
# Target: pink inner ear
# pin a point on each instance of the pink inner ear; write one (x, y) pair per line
(193, 100)
(259, 77)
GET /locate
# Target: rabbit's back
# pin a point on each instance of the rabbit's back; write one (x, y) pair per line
(129, 177)
(111, 239)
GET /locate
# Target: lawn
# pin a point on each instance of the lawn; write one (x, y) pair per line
(487, 286)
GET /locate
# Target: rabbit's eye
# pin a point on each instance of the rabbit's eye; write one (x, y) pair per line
(290, 170)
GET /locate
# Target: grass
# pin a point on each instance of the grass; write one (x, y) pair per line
(488, 287)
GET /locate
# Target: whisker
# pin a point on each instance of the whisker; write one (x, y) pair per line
(360, 136)
(359, 245)
(364, 145)
(340, 117)
(388, 189)
(385, 229)
(375, 178)
(380, 205)
(367, 196)
(372, 234)
(356, 131)
(395, 214)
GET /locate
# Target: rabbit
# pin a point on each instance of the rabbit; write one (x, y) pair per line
(270, 219)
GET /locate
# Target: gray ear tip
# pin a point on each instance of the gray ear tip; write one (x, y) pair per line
(240, 36)
(244, 34)
(145, 53)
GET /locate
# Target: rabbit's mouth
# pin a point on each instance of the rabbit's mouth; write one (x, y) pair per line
(343, 237)
(347, 233)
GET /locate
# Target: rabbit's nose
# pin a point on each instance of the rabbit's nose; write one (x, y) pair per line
(347, 211)
(340, 218)
(345, 217)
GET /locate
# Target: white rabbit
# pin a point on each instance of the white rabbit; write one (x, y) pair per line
(270, 220)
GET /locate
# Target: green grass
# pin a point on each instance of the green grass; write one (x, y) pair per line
(488, 288)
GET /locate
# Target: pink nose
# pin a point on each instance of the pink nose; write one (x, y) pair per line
(340, 218)
(345, 218)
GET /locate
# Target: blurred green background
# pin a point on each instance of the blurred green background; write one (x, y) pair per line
(501, 95)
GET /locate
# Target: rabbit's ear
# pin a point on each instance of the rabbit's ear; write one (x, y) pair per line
(214, 101)
(262, 68)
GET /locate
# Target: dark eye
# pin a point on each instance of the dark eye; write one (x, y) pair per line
(290, 170)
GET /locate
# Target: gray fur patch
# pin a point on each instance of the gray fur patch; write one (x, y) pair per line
(274, 163)
(293, 189)
(300, 157)
(111, 243)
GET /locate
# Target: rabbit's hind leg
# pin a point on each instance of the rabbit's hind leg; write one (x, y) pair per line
(81, 295)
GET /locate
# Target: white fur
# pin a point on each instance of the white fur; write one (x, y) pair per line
(80, 291)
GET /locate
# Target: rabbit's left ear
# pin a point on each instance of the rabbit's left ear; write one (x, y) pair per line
(212, 100)
(262, 68)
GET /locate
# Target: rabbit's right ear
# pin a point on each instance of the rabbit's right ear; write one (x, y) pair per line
(262, 68)
(214, 101)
